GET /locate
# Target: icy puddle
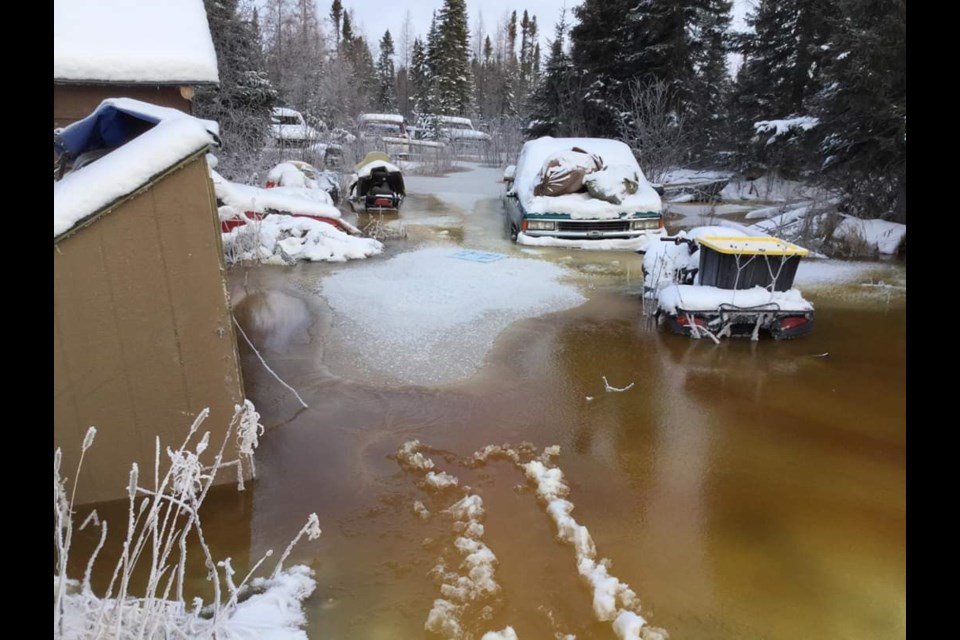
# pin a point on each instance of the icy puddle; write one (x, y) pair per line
(429, 316)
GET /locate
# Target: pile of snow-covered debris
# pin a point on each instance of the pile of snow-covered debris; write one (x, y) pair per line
(286, 224)
(284, 239)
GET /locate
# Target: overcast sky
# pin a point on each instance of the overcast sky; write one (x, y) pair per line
(376, 16)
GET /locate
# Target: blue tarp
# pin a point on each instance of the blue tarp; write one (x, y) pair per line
(477, 256)
(113, 123)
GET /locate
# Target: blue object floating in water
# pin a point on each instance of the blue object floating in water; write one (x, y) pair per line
(477, 256)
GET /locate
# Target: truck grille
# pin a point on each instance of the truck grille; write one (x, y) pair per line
(594, 225)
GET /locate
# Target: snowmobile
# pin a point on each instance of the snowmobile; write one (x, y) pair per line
(377, 185)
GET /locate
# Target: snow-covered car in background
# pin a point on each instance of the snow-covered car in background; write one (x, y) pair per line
(288, 128)
(451, 129)
(374, 126)
(583, 192)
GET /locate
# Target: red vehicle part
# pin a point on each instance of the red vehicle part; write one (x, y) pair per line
(233, 223)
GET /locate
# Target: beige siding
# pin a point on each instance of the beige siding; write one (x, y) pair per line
(143, 338)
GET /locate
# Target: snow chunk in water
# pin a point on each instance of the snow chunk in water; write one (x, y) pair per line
(425, 318)
(444, 619)
(628, 625)
(422, 512)
(505, 634)
(440, 481)
(410, 457)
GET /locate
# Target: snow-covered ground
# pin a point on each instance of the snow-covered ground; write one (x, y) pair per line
(425, 317)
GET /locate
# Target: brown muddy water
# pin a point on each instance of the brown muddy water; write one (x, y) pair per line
(743, 490)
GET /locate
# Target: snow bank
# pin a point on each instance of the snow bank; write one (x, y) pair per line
(698, 298)
(282, 239)
(424, 317)
(86, 191)
(640, 243)
(274, 612)
(580, 205)
(880, 235)
(133, 41)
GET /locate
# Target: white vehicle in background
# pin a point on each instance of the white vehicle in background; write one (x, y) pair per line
(384, 132)
(374, 126)
(288, 128)
(581, 192)
(452, 130)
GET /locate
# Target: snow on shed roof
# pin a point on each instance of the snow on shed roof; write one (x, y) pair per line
(83, 193)
(128, 41)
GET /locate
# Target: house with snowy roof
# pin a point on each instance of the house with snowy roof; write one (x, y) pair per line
(148, 50)
(143, 335)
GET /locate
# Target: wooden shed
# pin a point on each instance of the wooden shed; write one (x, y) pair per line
(148, 50)
(143, 338)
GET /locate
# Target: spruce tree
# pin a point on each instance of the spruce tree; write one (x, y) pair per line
(710, 84)
(243, 100)
(451, 67)
(862, 108)
(551, 102)
(386, 76)
(784, 62)
(336, 17)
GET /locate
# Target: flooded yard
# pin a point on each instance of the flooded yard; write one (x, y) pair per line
(742, 490)
(746, 490)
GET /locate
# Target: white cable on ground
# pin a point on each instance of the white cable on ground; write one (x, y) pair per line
(267, 367)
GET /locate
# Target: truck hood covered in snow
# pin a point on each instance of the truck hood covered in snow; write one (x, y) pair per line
(580, 206)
